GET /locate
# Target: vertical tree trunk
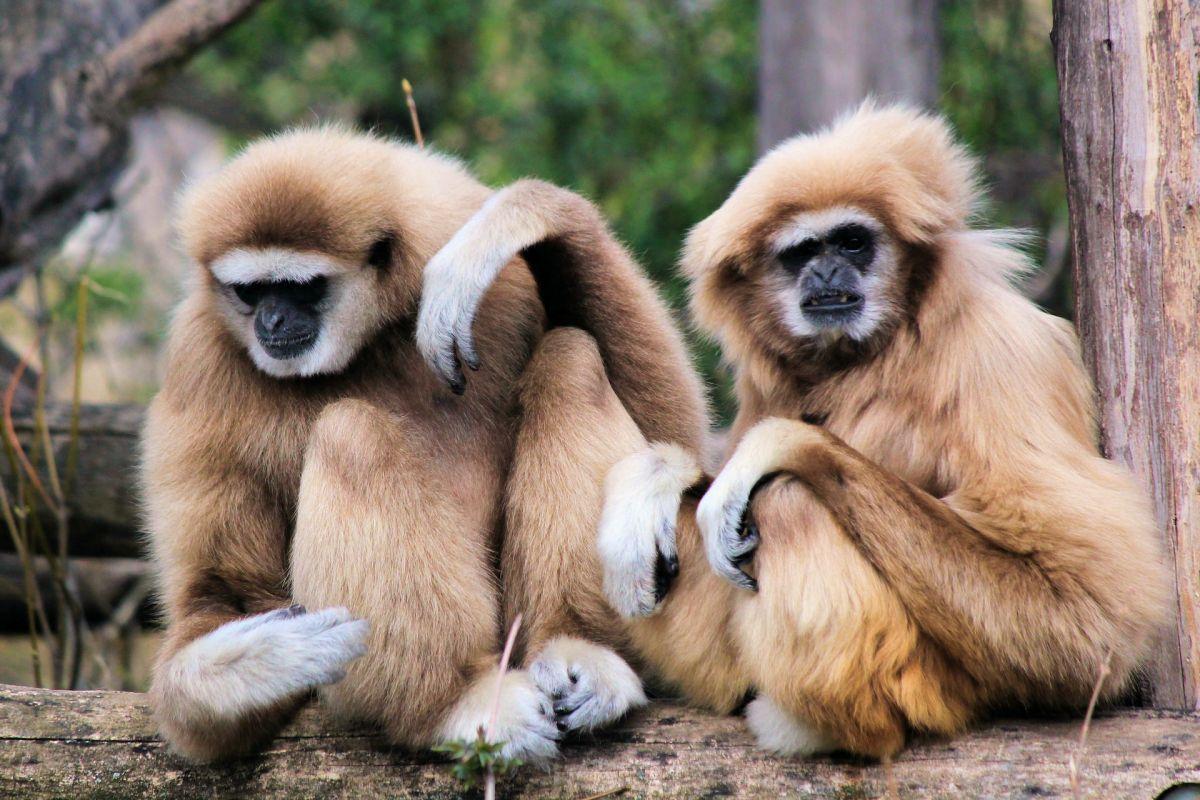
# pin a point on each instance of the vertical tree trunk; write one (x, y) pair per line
(1127, 73)
(821, 57)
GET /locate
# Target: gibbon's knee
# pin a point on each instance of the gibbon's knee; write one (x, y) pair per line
(566, 366)
(848, 657)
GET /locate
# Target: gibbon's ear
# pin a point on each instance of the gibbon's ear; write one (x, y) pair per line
(896, 163)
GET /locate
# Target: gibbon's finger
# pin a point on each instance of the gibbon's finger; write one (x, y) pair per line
(466, 346)
(455, 377)
(665, 572)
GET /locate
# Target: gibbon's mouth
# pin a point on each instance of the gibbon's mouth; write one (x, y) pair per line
(285, 347)
(832, 302)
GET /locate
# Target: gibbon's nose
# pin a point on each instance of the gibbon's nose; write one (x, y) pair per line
(272, 315)
(824, 271)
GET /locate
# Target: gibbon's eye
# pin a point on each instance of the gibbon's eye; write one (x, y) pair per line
(795, 257)
(249, 293)
(380, 254)
(851, 238)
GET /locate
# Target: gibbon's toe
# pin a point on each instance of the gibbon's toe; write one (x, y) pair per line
(783, 734)
(524, 719)
(589, 685)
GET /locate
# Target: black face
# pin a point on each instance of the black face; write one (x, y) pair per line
(287, 317)
(830, 271)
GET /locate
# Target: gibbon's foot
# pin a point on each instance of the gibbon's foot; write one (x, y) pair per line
(258, 661)
(524, 720)
(636, 536)
(455, 281)
(781, 733)
(590, 685)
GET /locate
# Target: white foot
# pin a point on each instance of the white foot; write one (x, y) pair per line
(524, 722)
(590, 685)
(781, 733)
(636, 536)
(253, 663)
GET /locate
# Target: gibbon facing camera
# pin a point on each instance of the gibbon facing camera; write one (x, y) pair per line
(914, 526)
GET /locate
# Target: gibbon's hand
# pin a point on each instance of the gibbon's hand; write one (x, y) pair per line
(258, 661)
(589, 684)
(636, 536)
(455, 281)
(730, 536)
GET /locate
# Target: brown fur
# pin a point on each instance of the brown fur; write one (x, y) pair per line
(950, 540)
(232, 455)
(945, 540)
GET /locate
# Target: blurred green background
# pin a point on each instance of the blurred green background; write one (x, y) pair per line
(647, 108)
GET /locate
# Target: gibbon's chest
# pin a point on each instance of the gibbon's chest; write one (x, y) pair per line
(883, 427)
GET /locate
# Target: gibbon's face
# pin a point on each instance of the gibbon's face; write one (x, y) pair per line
(830, 274)
(300, 313)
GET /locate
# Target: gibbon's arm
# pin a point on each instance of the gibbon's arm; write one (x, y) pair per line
(1047, 615)
(585, 279)
(237, 659)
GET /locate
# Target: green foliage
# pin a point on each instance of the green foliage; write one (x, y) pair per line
(472, 760)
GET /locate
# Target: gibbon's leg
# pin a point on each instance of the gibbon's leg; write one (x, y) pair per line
(238, 658)
(390, 532)
(1025, 624)
(835, 658)
(585, 279)
(573, 428)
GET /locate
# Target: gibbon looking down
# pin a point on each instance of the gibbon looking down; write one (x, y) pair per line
(322, 509)
(934, 533)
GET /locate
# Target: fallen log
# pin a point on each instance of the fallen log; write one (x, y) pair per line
(102, 744)
(103, 497)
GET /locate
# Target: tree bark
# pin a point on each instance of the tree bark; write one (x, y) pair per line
(819, 58)
(71, 72)
(53, 744)
(1127, 73)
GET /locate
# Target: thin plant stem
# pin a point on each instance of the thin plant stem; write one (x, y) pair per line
(489, 786)
(1073, 765)
(412, 112)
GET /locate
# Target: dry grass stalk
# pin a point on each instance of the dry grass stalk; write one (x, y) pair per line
(412, 112)
(1073, 764)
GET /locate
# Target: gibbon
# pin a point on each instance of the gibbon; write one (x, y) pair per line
(915, 524)
(914, 527)
(323, 511)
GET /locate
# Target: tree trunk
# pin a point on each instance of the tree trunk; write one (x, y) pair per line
(818, 58)
(71, 72)
(1127, 73)
(103, 744)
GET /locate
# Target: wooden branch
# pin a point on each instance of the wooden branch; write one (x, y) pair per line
(103, 501)
(55, 744)
(168, 38)
(70, 75)
(1127, 76)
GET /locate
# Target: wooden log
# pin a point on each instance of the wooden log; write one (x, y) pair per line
(102, 744)
(102, 583)
(103, 501)
(1127, 76)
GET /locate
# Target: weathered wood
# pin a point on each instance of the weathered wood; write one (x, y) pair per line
(102, 744)
(70, 73)
(819, 58)
(1127, 75)
(103, 500)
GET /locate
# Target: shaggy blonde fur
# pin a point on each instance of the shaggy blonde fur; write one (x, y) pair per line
(943, 538)
(361, 486)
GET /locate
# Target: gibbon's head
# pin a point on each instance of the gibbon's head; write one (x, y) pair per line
(827, 243)
(309, 242)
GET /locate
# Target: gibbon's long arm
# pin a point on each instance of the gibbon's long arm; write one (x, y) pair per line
(585, 279)
(238, 657)
(1035, 612)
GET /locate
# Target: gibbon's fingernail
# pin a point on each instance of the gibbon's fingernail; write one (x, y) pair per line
(471, 360)
(664, 574)
(458, 384)
(562, 726)
(295, 610)
(750, 583)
